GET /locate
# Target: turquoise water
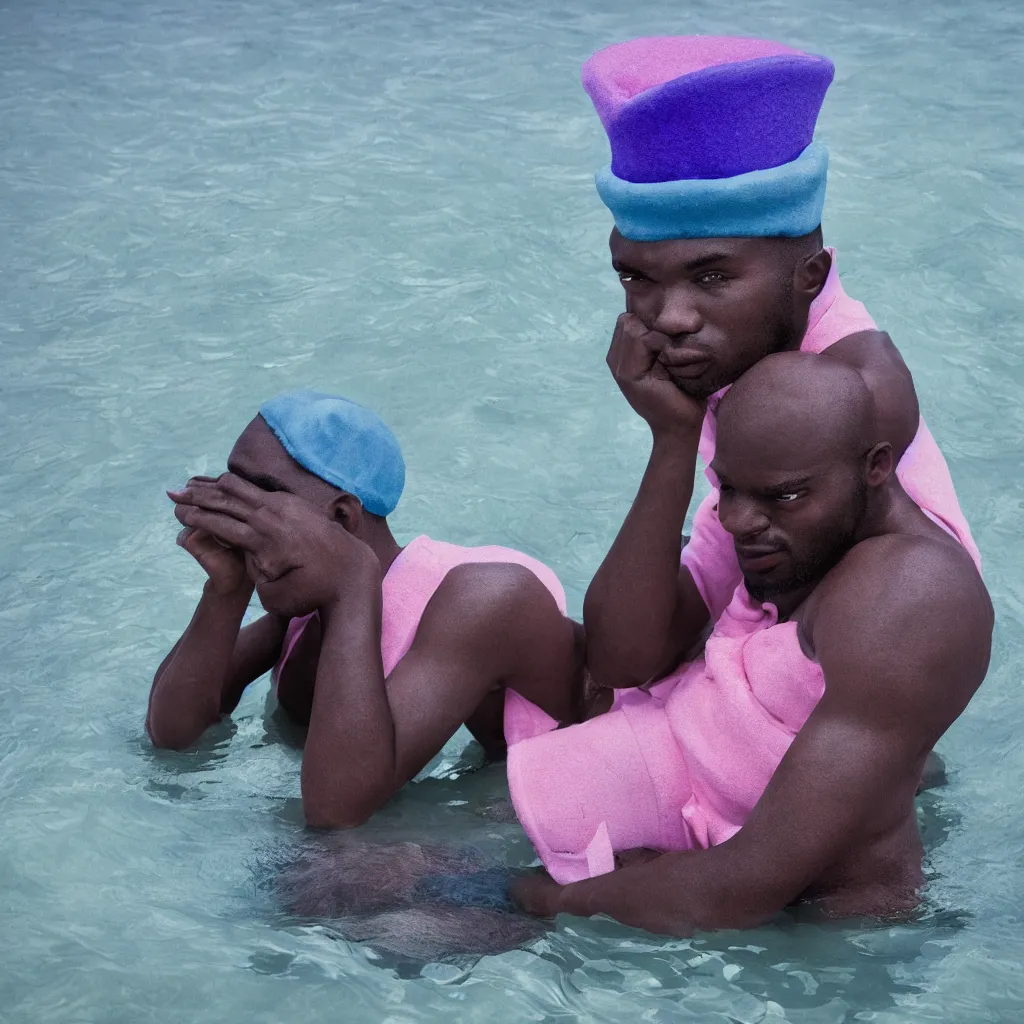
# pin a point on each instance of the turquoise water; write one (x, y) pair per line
(204, 204)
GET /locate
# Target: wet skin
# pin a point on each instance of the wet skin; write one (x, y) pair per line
(698, 314)
(892, 609)
(305, 546)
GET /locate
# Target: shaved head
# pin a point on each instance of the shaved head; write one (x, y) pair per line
(799, 461)
(798, 406)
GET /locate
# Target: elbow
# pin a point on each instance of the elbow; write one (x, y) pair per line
(164, 738)
(609, 676)
(337, 814)
(616, 671)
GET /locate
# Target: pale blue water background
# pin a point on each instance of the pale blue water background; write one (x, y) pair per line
(202, 204)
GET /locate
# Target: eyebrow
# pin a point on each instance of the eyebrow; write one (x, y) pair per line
(624, 268)
(687, 268)
(782, 488)
(264, 481)
(706, 261)
(789, 485)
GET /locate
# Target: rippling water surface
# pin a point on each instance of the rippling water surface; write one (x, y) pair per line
(204, 204)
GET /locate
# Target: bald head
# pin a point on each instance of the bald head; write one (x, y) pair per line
(801, 469)
(797, 407)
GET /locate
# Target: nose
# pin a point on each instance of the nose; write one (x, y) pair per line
(742, 517)
(678, 314)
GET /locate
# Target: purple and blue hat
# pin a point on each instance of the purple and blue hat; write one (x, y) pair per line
(711, 136)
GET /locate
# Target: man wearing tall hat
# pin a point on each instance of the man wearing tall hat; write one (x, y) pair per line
(760, 748)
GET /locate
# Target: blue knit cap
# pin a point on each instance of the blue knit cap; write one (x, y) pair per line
(341, 442)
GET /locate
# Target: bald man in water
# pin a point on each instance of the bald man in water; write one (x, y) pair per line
(891, 617)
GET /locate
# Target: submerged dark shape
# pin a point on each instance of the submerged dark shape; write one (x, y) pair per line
(418, 903)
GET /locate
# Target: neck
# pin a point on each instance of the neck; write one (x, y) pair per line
(379, 539)
(885, 507)
(787, 603)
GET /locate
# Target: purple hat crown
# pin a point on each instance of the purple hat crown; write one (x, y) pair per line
(704, 107)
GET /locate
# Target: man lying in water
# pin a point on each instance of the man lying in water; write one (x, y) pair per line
(782, 764)
(383, 651)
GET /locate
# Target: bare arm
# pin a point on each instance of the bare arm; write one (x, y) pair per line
(487, 626)
(900, 662)
(208, 669)
(642, 611)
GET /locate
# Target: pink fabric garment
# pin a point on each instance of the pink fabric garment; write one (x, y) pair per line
(676, 767)
(409, 585)
(710, 555)
(681, 765)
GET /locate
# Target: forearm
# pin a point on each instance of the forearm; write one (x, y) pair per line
(189, 685)
(675, 894)
(631, 603)
(348, 768)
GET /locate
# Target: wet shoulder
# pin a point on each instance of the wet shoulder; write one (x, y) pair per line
(876, 358)
(894, 587)
(489, 593)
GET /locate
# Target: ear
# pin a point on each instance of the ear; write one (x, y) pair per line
(347, 511)
(879, 463)
(811, 273)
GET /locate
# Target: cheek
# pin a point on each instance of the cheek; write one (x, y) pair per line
(826, 529)
(645, 303)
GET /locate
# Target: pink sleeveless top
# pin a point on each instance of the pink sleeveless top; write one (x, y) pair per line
(682, 764)
(735, 714)
(409, 585)
(679, 766)
(710, 555)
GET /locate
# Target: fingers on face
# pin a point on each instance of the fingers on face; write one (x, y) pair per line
(241, 490)
(634, 348)
(222, 527)
(199, 543)
(213, 497)
(267, 566)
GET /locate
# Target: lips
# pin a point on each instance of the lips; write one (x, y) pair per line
(685, 368)
(758, 559)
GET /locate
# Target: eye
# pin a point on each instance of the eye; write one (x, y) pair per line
(787, 497)
(711, 277)
(632, 277)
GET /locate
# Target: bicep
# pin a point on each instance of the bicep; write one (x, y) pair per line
(844, 780)
(487, 627)
(899, 667)
(431, 692)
